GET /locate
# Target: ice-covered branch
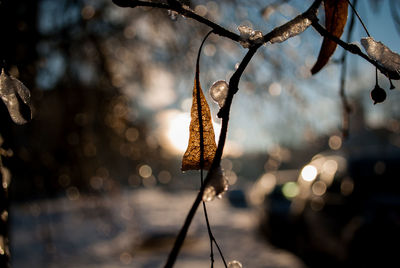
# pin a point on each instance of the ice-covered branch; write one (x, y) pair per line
(224, 114)
(381, 54)
(293, 27)
(355, 50)
(279, 34)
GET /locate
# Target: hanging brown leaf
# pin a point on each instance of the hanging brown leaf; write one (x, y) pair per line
(335, 20)
(191, 158)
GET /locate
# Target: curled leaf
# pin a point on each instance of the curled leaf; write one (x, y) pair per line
(383, 56)
(13, 92)
(191, 158)
(335, 21)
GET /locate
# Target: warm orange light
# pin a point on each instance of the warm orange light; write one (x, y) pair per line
(174, 130)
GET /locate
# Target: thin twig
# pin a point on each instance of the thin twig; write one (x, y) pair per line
(182, 233)
(210, 235)
(220, 252)
(358, 16)
(198, 99)
(201, 129)
(345, 104)
(219, 30)
(233, 86)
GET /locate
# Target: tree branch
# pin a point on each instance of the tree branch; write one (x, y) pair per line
(346, 109)
(219, 30)
(183, 10)
(233, 88)
(234, 81)
(353, 49)
(310, 13)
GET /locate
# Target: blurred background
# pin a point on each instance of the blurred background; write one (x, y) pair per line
(94, 179)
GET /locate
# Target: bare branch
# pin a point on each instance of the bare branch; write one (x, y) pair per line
(183, 10)
(346, 109)
(224, 113)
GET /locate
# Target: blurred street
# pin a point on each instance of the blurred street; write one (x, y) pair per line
(135, 229)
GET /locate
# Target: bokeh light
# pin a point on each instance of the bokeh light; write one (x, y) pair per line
(309, 173)
(290, 189)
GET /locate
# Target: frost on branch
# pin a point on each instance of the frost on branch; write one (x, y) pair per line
(219, 91)
(381, 54)
(288, 30)
(249, 36)
(217, 185)
(12, 92)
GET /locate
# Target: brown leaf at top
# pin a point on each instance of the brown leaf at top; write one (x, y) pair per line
(191, 158)
(335, 21)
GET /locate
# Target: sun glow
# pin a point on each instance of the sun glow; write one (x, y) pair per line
(177, 132)
(174, 130)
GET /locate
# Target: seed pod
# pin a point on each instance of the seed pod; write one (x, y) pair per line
(378, 94)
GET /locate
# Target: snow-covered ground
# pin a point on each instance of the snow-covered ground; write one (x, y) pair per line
(135, 229)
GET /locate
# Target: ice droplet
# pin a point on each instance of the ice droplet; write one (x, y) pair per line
(217, 185)
(245, 31)
(209, 194)
(249, 36)
(234, 264)
(256, 36)
(381, 53)
(219, 91)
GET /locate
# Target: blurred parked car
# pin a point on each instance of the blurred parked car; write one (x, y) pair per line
(342, 209)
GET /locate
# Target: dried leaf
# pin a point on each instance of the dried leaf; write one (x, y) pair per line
(335, 21)
(12, 92)
(191, 158)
